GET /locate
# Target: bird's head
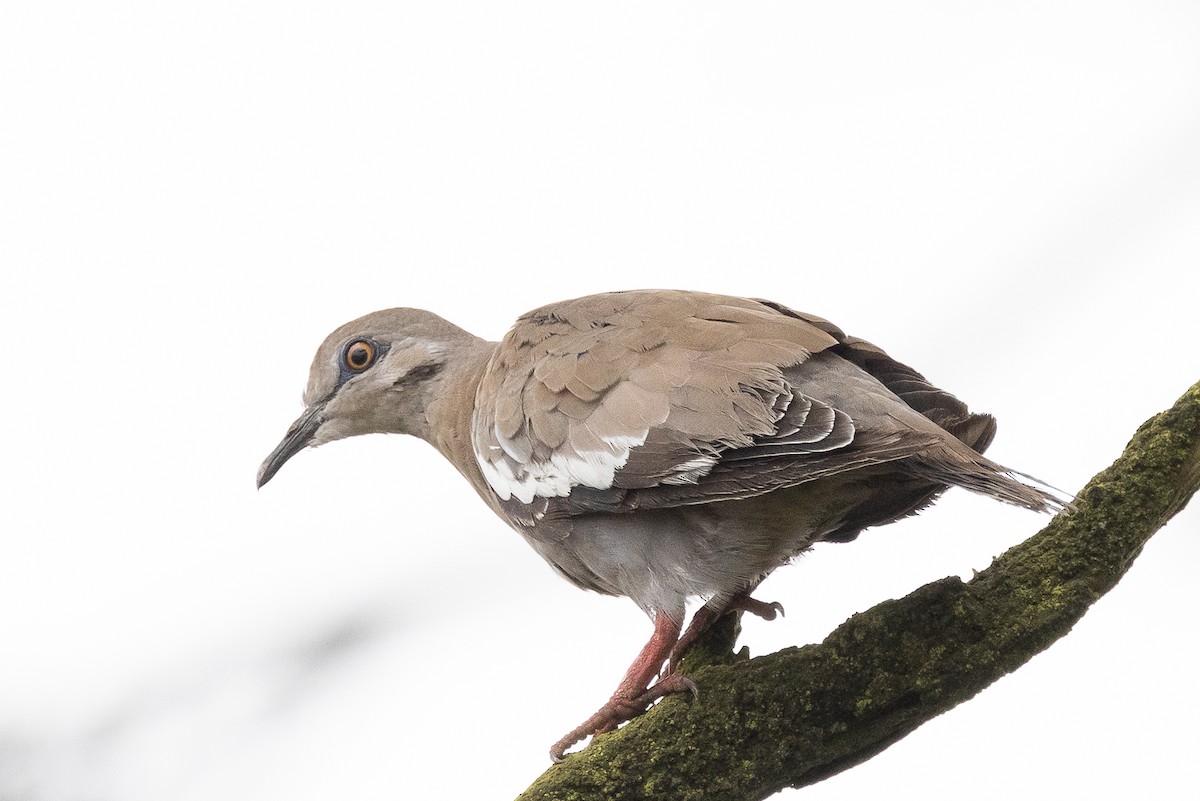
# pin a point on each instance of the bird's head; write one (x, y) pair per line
(376, 374)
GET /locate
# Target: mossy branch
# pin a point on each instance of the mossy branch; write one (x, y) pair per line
(794, 717)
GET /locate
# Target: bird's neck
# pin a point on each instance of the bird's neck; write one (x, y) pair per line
(449, 413)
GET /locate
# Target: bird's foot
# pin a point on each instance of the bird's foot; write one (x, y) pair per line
(619, 709)
(767, 611)
(707, 615)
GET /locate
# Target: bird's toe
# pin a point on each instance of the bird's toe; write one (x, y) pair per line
(767, 611)
(620, 709)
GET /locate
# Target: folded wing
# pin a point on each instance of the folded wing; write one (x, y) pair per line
(648, 400)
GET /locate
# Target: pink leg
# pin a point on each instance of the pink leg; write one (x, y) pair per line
(707, 615)
(632, 698)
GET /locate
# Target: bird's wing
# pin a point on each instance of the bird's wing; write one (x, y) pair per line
(656, 399)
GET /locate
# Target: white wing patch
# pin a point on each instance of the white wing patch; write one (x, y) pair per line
(511, 471)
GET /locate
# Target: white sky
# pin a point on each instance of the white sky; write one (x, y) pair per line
(192, 195)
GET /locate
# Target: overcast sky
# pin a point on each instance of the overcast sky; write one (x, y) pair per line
(1005, 196)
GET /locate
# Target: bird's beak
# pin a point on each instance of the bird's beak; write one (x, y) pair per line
(299, 435)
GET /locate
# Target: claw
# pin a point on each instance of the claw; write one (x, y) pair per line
(707, 615)
(676, 683)
(767, 611)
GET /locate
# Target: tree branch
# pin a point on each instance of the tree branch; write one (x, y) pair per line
(797, 716)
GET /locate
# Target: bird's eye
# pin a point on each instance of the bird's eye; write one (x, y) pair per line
(359, 355)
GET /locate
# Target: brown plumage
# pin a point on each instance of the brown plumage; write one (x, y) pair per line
(662, 445)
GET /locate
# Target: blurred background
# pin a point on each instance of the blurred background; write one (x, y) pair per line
(192, 195)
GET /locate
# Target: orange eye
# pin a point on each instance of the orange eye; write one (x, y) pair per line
(359, 355)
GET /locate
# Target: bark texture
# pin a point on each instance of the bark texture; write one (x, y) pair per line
(797, 716)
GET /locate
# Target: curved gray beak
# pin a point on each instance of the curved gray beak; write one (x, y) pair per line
(299, 435)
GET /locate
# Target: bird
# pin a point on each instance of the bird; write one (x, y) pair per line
(668, 446)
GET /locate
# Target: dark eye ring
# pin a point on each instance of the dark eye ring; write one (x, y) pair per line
(359, 355)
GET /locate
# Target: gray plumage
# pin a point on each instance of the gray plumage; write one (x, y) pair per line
(662, 445)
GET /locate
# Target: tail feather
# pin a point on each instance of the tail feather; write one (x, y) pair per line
(980, 474)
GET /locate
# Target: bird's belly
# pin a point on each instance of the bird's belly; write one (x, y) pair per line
(661, 558)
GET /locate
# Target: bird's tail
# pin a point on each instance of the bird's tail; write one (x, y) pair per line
(962, 467)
